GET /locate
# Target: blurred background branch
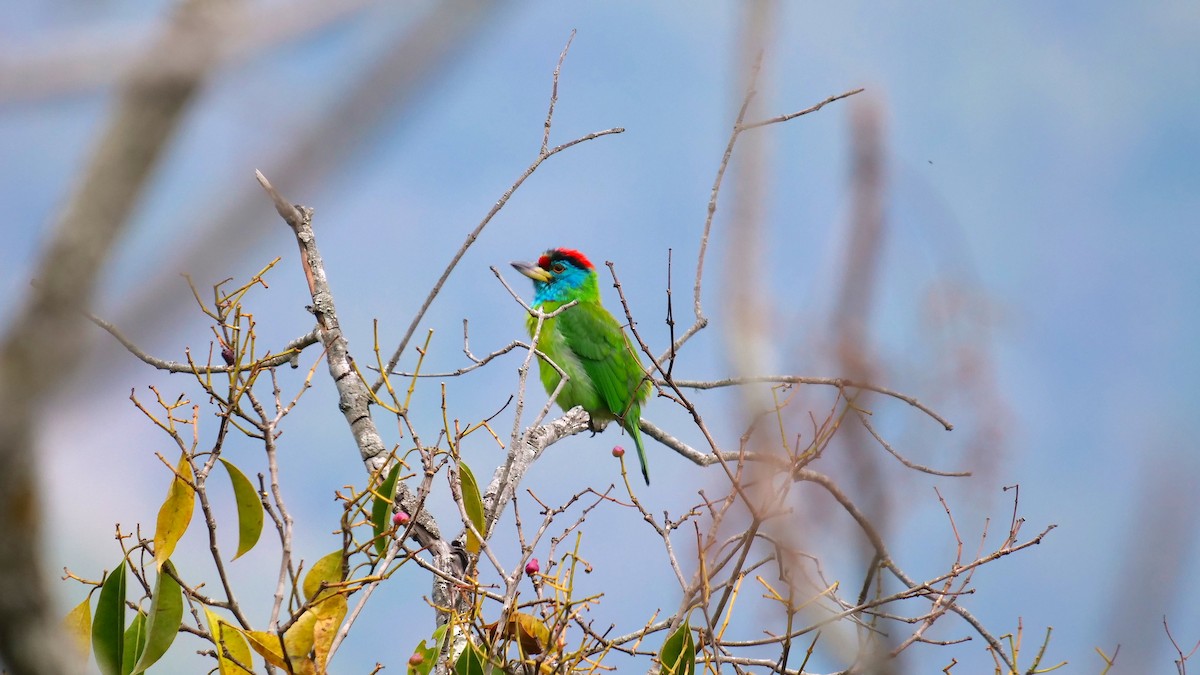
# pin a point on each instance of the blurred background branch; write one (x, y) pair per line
(418, 52)
(43, 345)
(73, 61)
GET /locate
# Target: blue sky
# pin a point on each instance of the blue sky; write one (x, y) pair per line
(1041, 161)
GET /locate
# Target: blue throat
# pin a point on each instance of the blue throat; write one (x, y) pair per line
(560, 288)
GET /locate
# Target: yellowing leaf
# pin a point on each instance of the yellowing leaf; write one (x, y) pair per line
(249, 508)
(162, 625)
(330, 613)
(474, 504)
(326, 570)
(530, 633)
(298, 640)
(232, 640)
(78, 624)
(175, 514)
(267, 645)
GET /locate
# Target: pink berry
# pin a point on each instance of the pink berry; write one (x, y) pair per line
(532, 567)
(401, 519)
(618, 451)
(416, 659)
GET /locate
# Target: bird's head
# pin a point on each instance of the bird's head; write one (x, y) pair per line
(560, 275)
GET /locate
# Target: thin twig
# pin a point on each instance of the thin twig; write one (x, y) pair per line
(287, 354)
(543, 155)
(862, 416)
(798, 113)
(839, 382)
(378, 576)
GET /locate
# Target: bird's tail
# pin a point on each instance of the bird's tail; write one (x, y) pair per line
(641, 449)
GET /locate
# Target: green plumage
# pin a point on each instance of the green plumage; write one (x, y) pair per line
(605, 374)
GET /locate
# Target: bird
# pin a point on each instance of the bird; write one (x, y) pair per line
(605, 373)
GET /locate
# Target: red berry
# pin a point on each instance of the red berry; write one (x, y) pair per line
(416, 659)
(532, 567)
(618, 451)
(401, 519)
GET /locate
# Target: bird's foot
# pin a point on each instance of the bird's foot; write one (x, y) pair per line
(596, 426)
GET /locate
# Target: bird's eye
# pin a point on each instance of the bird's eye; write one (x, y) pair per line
(558, 268)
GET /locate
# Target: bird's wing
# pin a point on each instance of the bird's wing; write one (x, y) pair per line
(602, 348)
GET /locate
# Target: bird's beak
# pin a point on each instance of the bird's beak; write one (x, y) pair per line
(532, 271)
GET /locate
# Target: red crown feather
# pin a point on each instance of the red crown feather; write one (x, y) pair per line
(569, 254)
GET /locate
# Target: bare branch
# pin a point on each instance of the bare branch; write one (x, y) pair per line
(1181, 662)
(543, 155)
(354, 397)
(286, 355)
(696, 456)
(798, 113)
(886, 560)
(412, 55)
(523, 454)
(738, 127)
(437, 287)
(862, 416)
(839, 382)
(554, 91)
(377, 575)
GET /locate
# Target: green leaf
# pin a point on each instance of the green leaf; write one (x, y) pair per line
(135, 641)
(439, 636)
(428, 657)
(474, 503)
(428, 654)
(234, 642)
(249, 508)
(470, 661)
(678, 655)
(108, 630)
(78, 624)
(166, 615)
(382, 508)
(175, 514)
(326, 570)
